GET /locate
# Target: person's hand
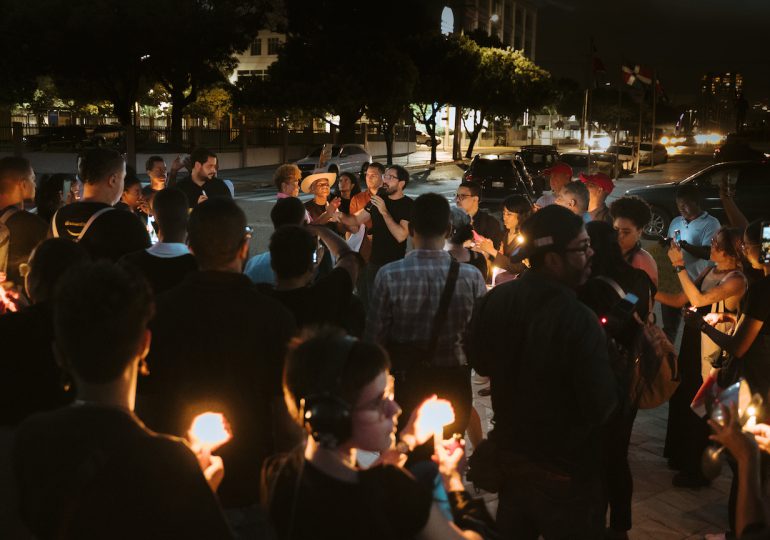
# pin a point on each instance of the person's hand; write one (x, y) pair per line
(675, 254)
(418, 426)
(730, 435)
(202, 198)
(716, 318)
(391, 456)
(692, 319)
(212, 466)
(485, 246)
(762, 437)
(180, 162)
(379, 204)
(448, 456)
(144, 206)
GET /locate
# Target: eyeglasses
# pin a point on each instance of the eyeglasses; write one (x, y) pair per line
(381, 404)
(388, 176)
(582, 249)
(462, 196)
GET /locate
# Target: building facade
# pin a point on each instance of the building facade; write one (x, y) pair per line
(721, 97)
(262, 52)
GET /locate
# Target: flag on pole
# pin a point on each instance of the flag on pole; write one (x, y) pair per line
(637, 74)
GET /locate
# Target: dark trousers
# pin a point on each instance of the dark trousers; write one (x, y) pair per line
(620, 483)
(671, 319)
(371, 273)
(535, 501)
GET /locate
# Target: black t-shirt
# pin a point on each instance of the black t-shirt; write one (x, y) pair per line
(32, 380)
(327, 301)
(757, 358)
(385, 503)
(96, 472)
(488, 226)
(162, 273)
(27, 231)
(213, 187)
(385, 248)
(111, 235)
(218, 345)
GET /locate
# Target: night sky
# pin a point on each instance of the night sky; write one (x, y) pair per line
(682, 39)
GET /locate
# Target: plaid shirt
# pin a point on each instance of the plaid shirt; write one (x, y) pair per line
(406, 296)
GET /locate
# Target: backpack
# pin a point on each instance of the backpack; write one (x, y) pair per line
(79, 237)
(5, 237)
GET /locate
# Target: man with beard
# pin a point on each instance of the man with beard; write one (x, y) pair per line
(552, 387)
(390, 217)
(203, 183)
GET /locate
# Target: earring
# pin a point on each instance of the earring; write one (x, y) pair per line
(65, 381)
(144, 369)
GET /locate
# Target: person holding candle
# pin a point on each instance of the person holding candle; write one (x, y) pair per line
(340, 391)
(516, 209)
(92, 469)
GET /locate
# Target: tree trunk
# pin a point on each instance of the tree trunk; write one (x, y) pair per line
(457, 152)
(177, 110)
(474, 135)
(388, 134)
(348, 127)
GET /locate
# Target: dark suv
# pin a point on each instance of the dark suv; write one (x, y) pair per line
(538, 157)
(498, 178)
(752, 193)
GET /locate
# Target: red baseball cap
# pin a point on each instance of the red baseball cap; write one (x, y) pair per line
(600, 179)
(558, 167)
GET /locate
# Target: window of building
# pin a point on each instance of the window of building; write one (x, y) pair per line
(256, 47)
(272, 45)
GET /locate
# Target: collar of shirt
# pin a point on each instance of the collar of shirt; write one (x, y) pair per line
(167, 250)
(428, 254)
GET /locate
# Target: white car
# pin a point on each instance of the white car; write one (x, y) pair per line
(335, 158)
(646, 152)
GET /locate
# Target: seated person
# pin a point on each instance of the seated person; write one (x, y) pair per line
(339, 390)
(92, 470)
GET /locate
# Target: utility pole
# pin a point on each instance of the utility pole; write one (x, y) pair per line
(654, 101)
(639, 135)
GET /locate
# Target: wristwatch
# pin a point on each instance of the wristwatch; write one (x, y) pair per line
(678, 269)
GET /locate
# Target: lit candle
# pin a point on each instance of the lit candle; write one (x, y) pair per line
(209, 431)
(435, 414)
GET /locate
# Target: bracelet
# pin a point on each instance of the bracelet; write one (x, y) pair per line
(678, 269)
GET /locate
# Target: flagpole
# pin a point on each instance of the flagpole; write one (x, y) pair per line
(639, 135)
(654, 101)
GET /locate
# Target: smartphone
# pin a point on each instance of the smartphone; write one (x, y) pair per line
(677, 237)
(764, 247)
(315, 257)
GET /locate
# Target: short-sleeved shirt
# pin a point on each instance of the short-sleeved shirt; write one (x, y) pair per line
(386, 503)
(111, 235)
(27, 231)
(259, 269)
(757, 358)
(697, 232)
(213, 187)
(92, 472)
(601, 214)
(385, 248)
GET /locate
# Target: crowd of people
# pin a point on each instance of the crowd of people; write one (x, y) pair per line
(129, 313)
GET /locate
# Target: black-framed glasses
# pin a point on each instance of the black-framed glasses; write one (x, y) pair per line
(388, 176)
(582, 249)
(462, 196)
(380, 404)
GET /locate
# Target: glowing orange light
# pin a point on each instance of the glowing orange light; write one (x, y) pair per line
(209, 431)
(8, 300)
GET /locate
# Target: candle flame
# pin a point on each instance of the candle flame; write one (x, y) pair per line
(8, 301)
(436, 414)
(209, 430)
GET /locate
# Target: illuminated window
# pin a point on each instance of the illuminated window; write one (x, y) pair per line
(272, 45)
(256, 47)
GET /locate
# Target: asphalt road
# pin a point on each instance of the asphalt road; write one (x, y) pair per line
(257, 200)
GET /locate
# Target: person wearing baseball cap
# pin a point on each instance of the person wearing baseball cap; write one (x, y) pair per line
(599, 187)
(559, 175)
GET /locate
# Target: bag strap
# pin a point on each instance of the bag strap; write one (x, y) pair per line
(91, 222)
(443, 307)
(614, 284)
(7, 213)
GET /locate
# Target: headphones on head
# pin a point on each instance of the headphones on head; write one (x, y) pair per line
(325, 416)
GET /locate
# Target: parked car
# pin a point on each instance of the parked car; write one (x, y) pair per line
(59, 137)
(577, 160)
(538, 157)
(498, 178)
(583, 162)
(334, 158)
(752, 193)
(648, 151)
(424, 138)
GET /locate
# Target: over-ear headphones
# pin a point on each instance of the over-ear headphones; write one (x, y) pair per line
(326, 416)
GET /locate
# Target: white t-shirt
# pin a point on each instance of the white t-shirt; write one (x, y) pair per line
(697, 232)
